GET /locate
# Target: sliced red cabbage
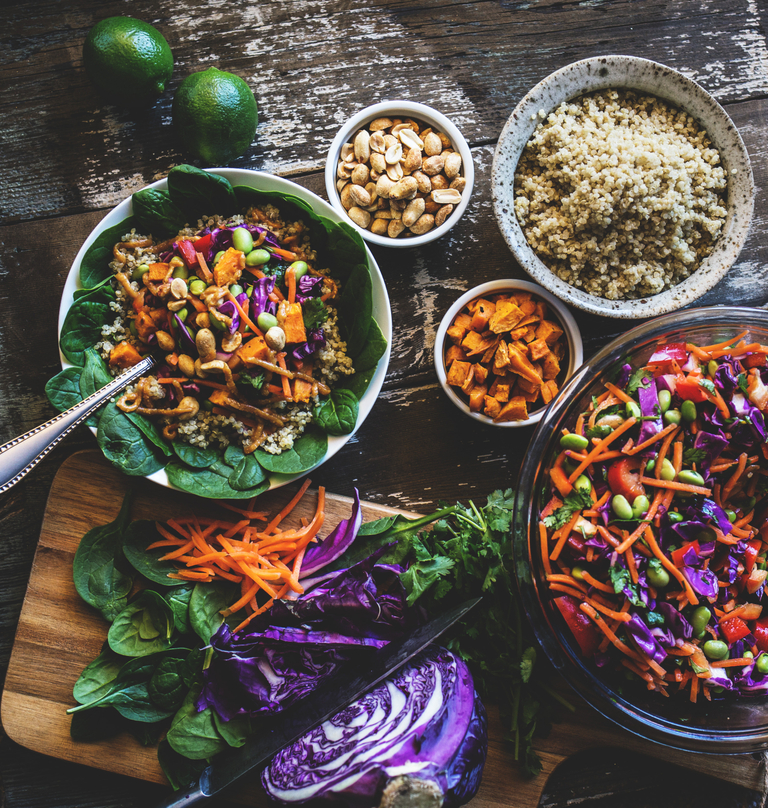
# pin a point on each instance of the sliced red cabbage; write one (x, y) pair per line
(641, 634)
(651, 412)
(335, 543)
(418, 739)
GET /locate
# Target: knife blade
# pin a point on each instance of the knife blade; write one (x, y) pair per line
(336, 692)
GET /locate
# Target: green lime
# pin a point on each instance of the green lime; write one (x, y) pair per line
(215, 115)
(128, 60)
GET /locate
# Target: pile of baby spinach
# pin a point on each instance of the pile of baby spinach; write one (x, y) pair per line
(132, 442)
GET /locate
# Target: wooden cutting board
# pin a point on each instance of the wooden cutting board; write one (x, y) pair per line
(58, 634)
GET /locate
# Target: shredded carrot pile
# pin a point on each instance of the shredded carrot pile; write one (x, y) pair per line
(264, 561)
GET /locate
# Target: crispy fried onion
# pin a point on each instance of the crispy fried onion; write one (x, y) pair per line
(138, 399)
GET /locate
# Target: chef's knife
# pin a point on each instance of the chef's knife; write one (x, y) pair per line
(333, 695)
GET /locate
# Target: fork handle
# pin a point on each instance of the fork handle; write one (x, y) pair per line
(22, 454)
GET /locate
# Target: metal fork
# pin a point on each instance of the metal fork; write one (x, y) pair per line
(22, 454)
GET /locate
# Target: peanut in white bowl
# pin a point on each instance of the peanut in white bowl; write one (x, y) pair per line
(418, 112)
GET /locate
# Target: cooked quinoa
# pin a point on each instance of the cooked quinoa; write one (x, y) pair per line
(206, 429)
(620, 195)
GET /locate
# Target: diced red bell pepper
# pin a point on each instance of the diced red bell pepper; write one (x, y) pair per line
(750, 553)
(674, 352)
(761, 633)
(188, 252)
(584, 630)
(203, 244)
(576, 544)
(677, 555)
(624, 478)
(690, 389)
(734, 628)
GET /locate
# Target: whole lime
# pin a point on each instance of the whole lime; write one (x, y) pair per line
(215, 115)
(128, 60)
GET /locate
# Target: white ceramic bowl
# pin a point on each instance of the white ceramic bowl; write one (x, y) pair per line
(401, 109)
(565, 318)
(626, 72)
(265, 182)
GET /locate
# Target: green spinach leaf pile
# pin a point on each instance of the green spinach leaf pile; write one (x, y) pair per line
(135, 442)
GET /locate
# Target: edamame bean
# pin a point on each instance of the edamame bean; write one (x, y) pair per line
(674, 517)
(132, 327)
(574, 442)
(690, 477)
(632, 408)
(583, 484)
(748, 655)
(699, 620)
(577, 573)
(300, 269)
(569, 466)
(656, 575)
(665, 399)
(242, 240)
(640, 506)
(256, 258)
(667, 470)
(219, 255)
(706, 535)
(650, 465)
(621, 507)
(762, 663)
(731, 516)
(139, 272)
(181, 272)
(688, 410)
(197, 286)
(236, 289)
(265, 321)
(748, 504)
(712, 367)
(216, 322)
(672, 417)
(182, 314)
(715, 649)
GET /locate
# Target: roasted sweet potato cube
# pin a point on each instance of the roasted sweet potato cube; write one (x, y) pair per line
(516, 409)
(458, 373)
(476, 396)
(530, 319)
(159, 271)
(506, 317)
(219, 397)
(302, 390)
(481, 373)
(520, 364)
(550, 367)
(518, 333)
(537, 349)
(541, 310)
(548, 390)
(463, 320)
(491, 406)
(469, 380)
(124, 355)
(488, 355)
(453, 353)
(229, 269)
(500, 388)
(485, 344)
(501, 358)
(528, 306)
(558, 349)
(549, 331)
(530, 334)
(255, 348)
(471, 341)
(522, 347)
(483, 311)
(291, 321)
(456, 333)
(527, 386)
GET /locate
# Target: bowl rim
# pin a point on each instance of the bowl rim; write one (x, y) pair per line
(589, 686)
(624, 71)
(382, 310)
(570, 328)
(415, 110)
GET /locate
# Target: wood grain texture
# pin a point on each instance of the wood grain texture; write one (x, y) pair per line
(66, 158)
(58, 635)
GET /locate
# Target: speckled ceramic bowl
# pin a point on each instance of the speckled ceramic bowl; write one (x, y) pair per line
(626, 72)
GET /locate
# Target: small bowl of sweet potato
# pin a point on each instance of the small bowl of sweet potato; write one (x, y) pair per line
(504, 350)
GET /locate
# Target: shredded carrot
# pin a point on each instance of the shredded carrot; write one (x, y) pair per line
(600, 446)
(287, 254)
(676, 486)
(653, 439)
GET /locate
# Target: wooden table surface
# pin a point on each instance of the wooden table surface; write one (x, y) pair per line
(66, 158)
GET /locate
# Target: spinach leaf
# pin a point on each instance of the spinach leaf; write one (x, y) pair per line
(307, 452)
(95, 373)
(147, 734)
(151, 432)
(134, 703)
(206, 604)
(63, 390)
(337, 414)
(137, 537)
(180, 770)
(156, 213)
(145, 626)
(96, 679)
(194, 734)
(355, 309)
(375, 347)
(209, 483)
(195, 456)
(167, 687)
(178, 598)
(359, 381)
(95, 571)
(235, 731)
(82, 325)
(94, 268)
(247, 473)
(196, 192)
(125, 445)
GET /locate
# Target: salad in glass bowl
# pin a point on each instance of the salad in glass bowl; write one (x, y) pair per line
(264, 316)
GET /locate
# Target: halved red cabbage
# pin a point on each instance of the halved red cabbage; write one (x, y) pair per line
(418, 739)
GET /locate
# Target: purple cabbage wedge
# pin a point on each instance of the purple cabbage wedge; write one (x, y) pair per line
(419, 740)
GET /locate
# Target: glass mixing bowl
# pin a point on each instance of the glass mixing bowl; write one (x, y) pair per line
(725, 725)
